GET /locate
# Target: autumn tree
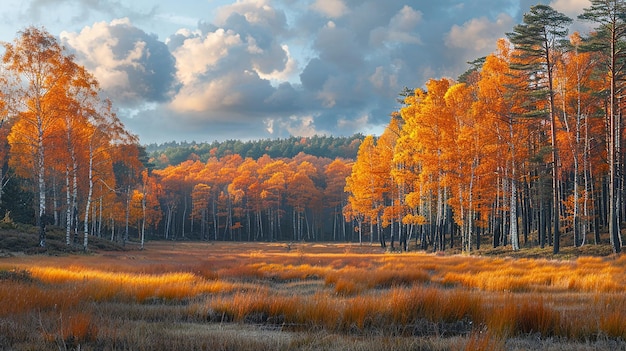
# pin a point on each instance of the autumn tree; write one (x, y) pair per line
(274, 178)
(243, 189)
(127, 168)
(391, 192)
(466, 154)
(498, 103)
(61, 129)
(334, 195)
(39, 73)
(5, 127)
(429, 132)
(364, 186)
(177, 188)
(301, 194)
(80, 103)
(227, 171)
(104, 133)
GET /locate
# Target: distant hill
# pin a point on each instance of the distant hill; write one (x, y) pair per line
(173, 153)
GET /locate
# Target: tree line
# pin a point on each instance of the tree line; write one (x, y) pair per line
(173, 153)
(525, 147)
(243, 199)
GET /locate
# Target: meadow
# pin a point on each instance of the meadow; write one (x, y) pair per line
(305, 296)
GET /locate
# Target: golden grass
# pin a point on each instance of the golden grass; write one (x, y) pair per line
(101, 285)
(341, 289)
(524, 315)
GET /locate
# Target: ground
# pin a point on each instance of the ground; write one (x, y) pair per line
(307, 296)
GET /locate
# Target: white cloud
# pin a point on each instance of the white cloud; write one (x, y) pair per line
(198, 96)
(330, 8)
(269, 125)
(198, 54)
(256, 12)
(406, 19)
(301, 126)
(478, 34)
(571, 8)
(97, 45)
(131, 66)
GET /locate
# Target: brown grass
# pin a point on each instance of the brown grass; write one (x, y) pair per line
(88, 301)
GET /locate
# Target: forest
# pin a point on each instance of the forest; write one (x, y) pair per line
(523, 149)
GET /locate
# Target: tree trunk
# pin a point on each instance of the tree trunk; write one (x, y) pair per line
(68, 208)
(41, 187)
(143, 215)
(88, 200)
(513, 232)
(127, 221)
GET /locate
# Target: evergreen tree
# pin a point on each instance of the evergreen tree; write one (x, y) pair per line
(536, 40)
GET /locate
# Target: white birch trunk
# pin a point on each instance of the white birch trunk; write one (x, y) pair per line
(513, 219)
(127, 220)
(88, 201)
(143, 222)
(41, 187)
(513, 199)
(68, 210)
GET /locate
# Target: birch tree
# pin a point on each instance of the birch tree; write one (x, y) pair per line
(39, 73)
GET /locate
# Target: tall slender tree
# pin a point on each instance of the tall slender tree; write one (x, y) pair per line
(536, 40)
(39, 72)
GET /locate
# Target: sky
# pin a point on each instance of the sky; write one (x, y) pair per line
(205, 70)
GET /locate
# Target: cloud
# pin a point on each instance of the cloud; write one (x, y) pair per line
(200, 54)
(132, 66)
(271, 68)
(478, 34)
(337, 45)
(224, 96)
(571, 8)
(301, 126)
(406, 19)
(226, 69)
(255, 13)
(330, 8)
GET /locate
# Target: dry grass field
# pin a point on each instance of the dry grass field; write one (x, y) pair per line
(279, 296)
